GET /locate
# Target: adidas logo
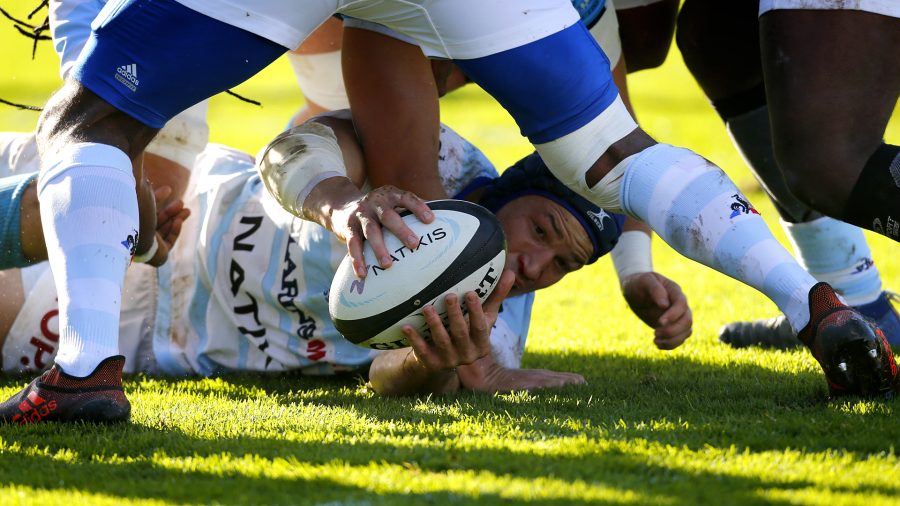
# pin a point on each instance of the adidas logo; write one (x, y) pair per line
(127, 75)
(598, 217)
(33, 409)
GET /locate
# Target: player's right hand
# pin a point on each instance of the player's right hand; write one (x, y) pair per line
(336, 204)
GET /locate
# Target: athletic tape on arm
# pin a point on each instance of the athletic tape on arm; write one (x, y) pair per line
(632, 254)
(296, 161)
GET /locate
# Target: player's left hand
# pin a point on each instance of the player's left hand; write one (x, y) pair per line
(659, 302)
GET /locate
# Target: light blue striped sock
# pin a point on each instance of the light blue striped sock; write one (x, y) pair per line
(693, 206)
(89, 213)
(838, 254)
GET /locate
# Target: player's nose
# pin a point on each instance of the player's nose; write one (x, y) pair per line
(536, 262)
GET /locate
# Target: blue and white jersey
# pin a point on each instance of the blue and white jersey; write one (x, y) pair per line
(247, 282)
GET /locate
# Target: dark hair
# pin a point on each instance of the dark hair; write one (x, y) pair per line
(530, 176)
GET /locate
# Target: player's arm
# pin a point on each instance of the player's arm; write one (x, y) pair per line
(168, 221)
(430, 366)
(305, 170)
(458, 356)
(655, 299)
(394, 98)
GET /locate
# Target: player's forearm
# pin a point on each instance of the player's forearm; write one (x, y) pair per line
(164, 172)
(147, 213)
(327, 197)
(632, 255)
(399, 373)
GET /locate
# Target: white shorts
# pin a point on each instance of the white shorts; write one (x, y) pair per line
(889, 8)
(455, 29)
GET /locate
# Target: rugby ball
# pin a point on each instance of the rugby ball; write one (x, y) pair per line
(462, 250)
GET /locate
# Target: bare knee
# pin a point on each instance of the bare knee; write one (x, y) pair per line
(820, 174)
(719, 43)
(75, 114)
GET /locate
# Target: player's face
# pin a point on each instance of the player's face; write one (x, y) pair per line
(545, 242)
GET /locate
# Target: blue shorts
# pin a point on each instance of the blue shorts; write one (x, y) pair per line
(552, 86)
(152, 59)
(11, 190)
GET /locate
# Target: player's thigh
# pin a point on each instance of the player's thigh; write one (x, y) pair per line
(154, 59)
(719, 42)
(832, 81)
(646, 29)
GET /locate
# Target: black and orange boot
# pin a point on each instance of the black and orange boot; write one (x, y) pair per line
(55, 396)
(851, 349)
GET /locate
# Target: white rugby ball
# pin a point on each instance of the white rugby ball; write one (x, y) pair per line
(462, 250)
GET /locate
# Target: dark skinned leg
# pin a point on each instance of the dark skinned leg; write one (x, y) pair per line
(832, 80)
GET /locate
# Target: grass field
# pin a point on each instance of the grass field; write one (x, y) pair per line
(700, 425)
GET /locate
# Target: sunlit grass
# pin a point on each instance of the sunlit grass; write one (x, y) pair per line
(702, 424)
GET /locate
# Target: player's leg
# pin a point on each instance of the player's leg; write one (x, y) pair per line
(590, 142)
(646, 28)
(317, 66)
(832, 80)
(89, 134)
(719, 43)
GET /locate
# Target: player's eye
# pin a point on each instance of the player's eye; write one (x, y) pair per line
(562, 265)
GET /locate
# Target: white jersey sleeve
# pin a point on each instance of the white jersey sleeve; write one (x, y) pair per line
(510, 331)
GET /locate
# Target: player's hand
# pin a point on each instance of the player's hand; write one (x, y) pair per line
(462, 340)
(659, 302)
(169, 221)
(336, 204)
(485, 375)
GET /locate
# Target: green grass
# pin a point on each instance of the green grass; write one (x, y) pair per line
(702, 424)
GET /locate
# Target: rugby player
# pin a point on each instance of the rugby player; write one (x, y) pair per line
(200, 321)
(720, 45)
(126, 85)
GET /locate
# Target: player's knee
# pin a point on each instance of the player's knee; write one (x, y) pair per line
(816, 175)
(74, 114)
(58, 111)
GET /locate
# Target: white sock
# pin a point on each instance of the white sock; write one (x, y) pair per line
(838, 254)
(89, 213)
(693, 206)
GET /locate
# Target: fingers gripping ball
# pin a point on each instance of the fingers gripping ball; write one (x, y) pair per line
(462, 250)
